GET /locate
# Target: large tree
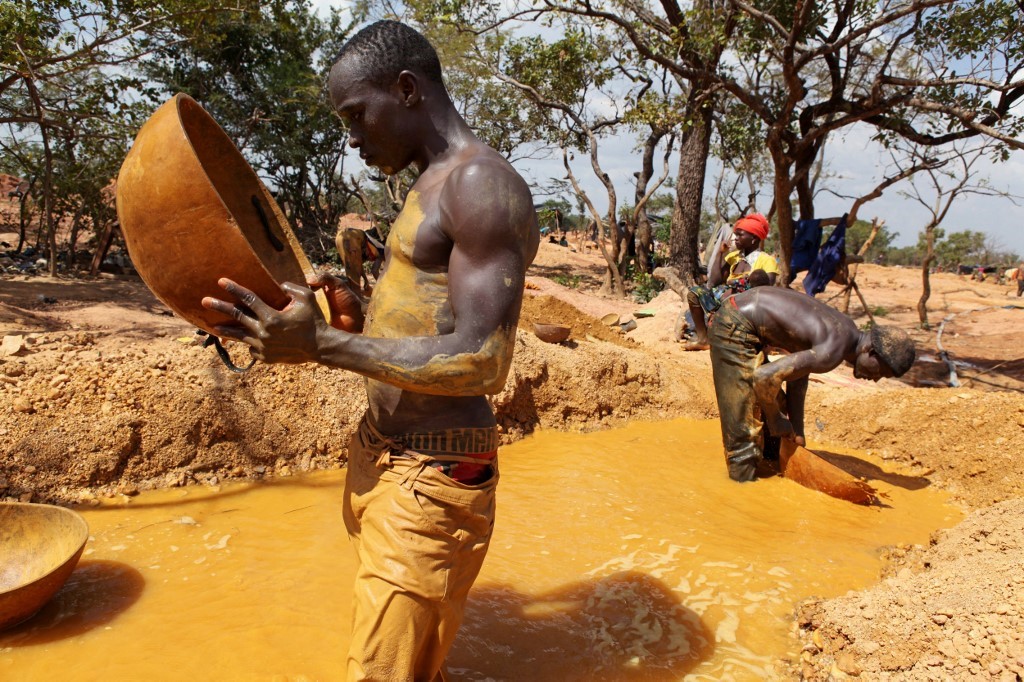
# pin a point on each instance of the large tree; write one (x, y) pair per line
(260, 72)
(806, 70)
(69, 97)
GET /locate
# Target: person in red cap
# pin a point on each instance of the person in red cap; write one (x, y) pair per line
(733, 270)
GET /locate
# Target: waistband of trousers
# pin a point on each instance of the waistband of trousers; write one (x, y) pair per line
(465, 441)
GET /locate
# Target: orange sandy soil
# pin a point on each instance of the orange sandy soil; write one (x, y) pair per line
(103, 392)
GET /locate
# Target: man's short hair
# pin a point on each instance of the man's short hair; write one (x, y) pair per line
(894, 347)
(386, 48)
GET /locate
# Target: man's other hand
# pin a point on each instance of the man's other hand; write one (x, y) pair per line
(347, 306)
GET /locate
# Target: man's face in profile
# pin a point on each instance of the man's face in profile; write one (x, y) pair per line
(376, 117)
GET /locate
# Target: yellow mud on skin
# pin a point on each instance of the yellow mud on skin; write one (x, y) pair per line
(455, 372)
(407, 301)
(618, 555)
(411, 302)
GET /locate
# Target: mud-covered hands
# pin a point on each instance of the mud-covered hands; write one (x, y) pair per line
(783, 413)
(768, 380)
(348, 307)
(274, 336)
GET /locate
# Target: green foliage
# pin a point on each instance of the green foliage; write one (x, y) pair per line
(784, 11)
(69, 93)
(965, 246)
(740, 140)
(645, 286)
(656, 112)
(858, 233)
(661, 228)
(569, 281)
(904, 255)
(260, 69)
(563, 71)
(546, 213)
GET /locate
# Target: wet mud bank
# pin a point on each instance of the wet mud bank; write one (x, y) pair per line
(87, 415)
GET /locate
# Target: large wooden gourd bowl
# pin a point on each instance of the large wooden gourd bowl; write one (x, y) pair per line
(39, 547)
(192, 210)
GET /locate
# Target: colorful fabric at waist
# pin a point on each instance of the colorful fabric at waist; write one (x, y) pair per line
(461, 454)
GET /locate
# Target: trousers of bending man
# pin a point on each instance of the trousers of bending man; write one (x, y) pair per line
(437, 338)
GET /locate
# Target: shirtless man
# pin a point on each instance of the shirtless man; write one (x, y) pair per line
(817, 337)
(439, 334)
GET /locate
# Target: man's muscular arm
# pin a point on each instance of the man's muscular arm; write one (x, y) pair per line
(768, 380)
(487, 212)
(790, 327)
(796, 395)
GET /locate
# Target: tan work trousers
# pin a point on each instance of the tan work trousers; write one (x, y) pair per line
(421, 539)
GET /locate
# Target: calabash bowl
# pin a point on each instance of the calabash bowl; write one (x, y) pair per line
(192, 210)
(552, 333)
(40, 545)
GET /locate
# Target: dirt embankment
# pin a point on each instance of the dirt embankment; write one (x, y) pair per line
(88, 412)
(107, 393)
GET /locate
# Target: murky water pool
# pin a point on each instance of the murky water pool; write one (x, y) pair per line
(621, 555)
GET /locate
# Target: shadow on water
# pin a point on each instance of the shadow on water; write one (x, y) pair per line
(872, 472)
(95, 594)
(626, 626)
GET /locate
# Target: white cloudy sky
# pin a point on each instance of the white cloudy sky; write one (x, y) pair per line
(858, 164)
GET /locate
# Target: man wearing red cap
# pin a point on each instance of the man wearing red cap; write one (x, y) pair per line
(730, 272)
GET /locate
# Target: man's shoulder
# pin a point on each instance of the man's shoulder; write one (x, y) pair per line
(484, 181)
(484, 165)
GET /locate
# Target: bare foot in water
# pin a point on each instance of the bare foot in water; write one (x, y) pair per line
(696, 345)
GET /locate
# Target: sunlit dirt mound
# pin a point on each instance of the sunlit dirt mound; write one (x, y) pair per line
(87, 412)
(951, 611)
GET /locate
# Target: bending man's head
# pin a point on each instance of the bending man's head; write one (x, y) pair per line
(894, 348)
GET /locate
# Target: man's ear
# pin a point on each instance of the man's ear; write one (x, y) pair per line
(409, 88)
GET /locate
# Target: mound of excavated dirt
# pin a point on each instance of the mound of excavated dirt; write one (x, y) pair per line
(951, 611)
(85, 412)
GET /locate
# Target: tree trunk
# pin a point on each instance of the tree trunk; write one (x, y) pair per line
(75, 224)
(643, 239)
(783, 207)
(926, 285)
(613, 283)
(24, 215)
(693, 158)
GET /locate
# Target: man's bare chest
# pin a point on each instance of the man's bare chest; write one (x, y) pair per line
(418, 238)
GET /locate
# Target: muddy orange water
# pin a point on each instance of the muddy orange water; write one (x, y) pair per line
(618, 555)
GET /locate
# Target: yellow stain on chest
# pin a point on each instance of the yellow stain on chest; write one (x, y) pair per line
(408, 301)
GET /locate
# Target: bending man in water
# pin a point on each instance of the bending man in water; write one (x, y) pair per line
(439, 333)
(818, 339)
